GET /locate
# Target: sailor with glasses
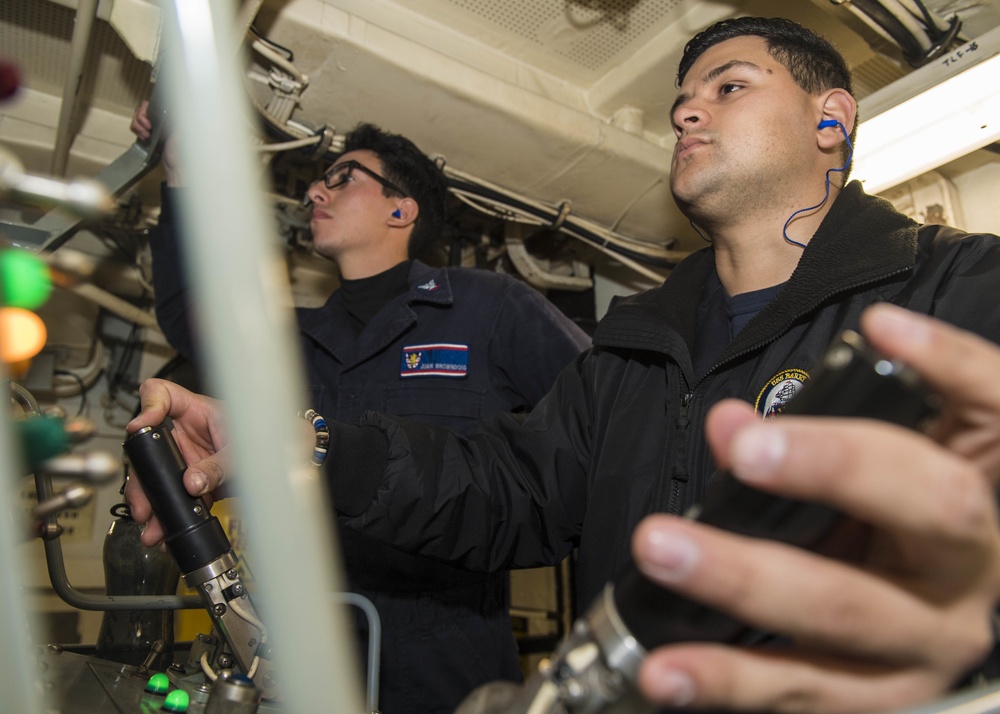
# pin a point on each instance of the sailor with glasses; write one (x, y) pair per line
(448, 346)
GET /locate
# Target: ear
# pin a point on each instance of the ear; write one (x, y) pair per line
(835, 105)
(404, 214)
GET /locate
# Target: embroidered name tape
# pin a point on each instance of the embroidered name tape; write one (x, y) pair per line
(435, 360)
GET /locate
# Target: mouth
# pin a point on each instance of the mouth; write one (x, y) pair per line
(319, 215)
(688, 144)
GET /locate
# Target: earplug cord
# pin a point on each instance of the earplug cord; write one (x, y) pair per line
(847, 163)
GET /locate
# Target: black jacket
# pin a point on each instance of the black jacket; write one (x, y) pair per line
(620, 435)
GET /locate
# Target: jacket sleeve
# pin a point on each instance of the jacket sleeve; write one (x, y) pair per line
(967, 268)
(170, 286)
(531, 343)
(512, 494)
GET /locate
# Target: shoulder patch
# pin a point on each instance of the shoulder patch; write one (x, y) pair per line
(778, 391)
(435, 360)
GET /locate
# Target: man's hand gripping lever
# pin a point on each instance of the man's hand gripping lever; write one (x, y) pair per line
(205, 557)
(596, 667)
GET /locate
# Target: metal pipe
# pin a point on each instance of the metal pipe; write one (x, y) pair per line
(374, 644)
(86, 13)
(56, 565)
(241, 290)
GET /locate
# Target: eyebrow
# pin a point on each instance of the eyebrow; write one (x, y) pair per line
(714, 74)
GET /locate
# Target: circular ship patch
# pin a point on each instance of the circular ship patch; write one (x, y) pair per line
(778, 392)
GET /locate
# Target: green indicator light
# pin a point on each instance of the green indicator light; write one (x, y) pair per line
(158, 684)
(24, 278)
(176, 701)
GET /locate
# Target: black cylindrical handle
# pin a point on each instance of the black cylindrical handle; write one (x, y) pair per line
(194, 536)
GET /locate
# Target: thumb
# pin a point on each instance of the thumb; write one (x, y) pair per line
(154, 395)
(205, 476)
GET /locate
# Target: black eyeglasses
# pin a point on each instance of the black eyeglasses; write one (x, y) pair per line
(339, 174)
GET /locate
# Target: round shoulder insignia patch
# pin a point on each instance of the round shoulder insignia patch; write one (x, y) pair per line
(778, 391)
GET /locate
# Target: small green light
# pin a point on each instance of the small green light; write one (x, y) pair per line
(158, 684)
(176, 701)
(25, 279)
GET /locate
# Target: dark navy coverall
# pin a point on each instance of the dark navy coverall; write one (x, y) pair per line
(461, 345)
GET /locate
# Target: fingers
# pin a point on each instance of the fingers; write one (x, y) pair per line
(910, 612)
(142, 512)
(933, 513)
(878, 473)
(825, 603)
(138, 504)
(700, 676)
(141, 126)
(724, 420)
(958, 365)
(198, 433)
(935, 349)
(196, 483)
(872, 644)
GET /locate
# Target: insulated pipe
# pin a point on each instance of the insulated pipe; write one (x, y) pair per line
(911, 46)
(17, 666)
(86, 13)
(918, 9)
(115, 304)
(280, 61)
(915, 27)
(252, 357)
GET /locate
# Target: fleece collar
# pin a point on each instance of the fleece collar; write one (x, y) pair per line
(862, 241)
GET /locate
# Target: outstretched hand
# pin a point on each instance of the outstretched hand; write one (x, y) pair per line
(908, 614)
(198, 431)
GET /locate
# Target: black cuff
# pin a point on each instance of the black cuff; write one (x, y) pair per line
(169, 196)
(356, 466)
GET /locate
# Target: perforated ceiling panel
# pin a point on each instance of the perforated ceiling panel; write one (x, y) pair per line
(875, 73)
(37, 36)
(593, 34)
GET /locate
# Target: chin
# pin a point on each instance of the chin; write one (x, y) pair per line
(684, 195)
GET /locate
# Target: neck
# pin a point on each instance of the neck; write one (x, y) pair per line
(751, 252)
(745, 268)
(360, 265)
(398, 273)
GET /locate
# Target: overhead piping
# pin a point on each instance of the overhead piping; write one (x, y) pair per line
(86, 13)
(922, 35)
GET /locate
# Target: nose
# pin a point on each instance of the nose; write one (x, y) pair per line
(688, 116)
(316, 193)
